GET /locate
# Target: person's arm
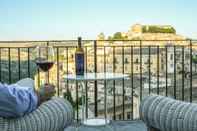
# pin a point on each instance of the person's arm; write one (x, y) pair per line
(16, 101)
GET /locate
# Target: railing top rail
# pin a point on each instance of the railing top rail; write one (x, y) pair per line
(43, 41)
(37, 41)
(69, 43)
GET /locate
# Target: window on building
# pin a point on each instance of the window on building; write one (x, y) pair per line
(187, 56)
(147, 62)
(171, 56)
(162, 61)
(115, 60)
(126, 61)
(136, 68)
(162, 66)
(136, 61)
(115, 67)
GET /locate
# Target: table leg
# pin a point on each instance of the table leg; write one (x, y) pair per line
(107, 120)
(84, 102)
(105, 103)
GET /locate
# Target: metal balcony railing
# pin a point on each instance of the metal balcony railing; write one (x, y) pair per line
(161, 67)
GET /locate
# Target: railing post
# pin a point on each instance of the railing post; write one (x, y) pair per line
(86, 83)
(28, 62)
(19, 64)
(58, 84)
(183, 74)
(149, 70)
(158, 71)
(95, 82)
(166, 50)
(114, 88)
(174, 72)
(141, 70)
(47, 53)
(9, 65)
(132, 91)
(123, 85)
(0, 65)
(67, 87)
(190, 70)
(77, 89)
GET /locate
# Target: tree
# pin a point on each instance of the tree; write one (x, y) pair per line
(110, 38)
(157, 29)
(117, 36)
(101, 36)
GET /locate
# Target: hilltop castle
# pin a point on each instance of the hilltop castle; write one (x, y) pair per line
(153, 32)
(149, 32)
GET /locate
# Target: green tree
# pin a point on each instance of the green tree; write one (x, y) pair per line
(125, 38)
(157, 29)
(110, 38)
(117, 36)
(101, 36)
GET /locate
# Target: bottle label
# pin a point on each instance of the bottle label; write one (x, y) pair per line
(79, 64)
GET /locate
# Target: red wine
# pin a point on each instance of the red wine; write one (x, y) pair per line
(44, 65)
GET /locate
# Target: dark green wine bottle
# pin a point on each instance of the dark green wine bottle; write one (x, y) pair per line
(79, 59)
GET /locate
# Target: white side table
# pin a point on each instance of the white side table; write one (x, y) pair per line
(94, 77)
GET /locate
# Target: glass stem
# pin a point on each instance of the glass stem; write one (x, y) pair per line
(46, 77)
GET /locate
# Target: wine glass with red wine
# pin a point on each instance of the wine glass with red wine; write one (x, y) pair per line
(44, 58)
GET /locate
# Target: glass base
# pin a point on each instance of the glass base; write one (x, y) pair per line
(96, 122)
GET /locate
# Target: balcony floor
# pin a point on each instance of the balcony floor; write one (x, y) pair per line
(114, 126)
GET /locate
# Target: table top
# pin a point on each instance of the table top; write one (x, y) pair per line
(95, 76)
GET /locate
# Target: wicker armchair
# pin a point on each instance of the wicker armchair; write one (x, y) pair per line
(166, 114)
(53, 115)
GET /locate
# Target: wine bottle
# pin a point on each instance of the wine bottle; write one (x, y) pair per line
(79, 59)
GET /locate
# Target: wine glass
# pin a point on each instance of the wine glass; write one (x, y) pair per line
(44, 59)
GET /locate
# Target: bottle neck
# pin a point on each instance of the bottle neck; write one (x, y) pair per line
(79, 48)
(79, 42)
(79, 45)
